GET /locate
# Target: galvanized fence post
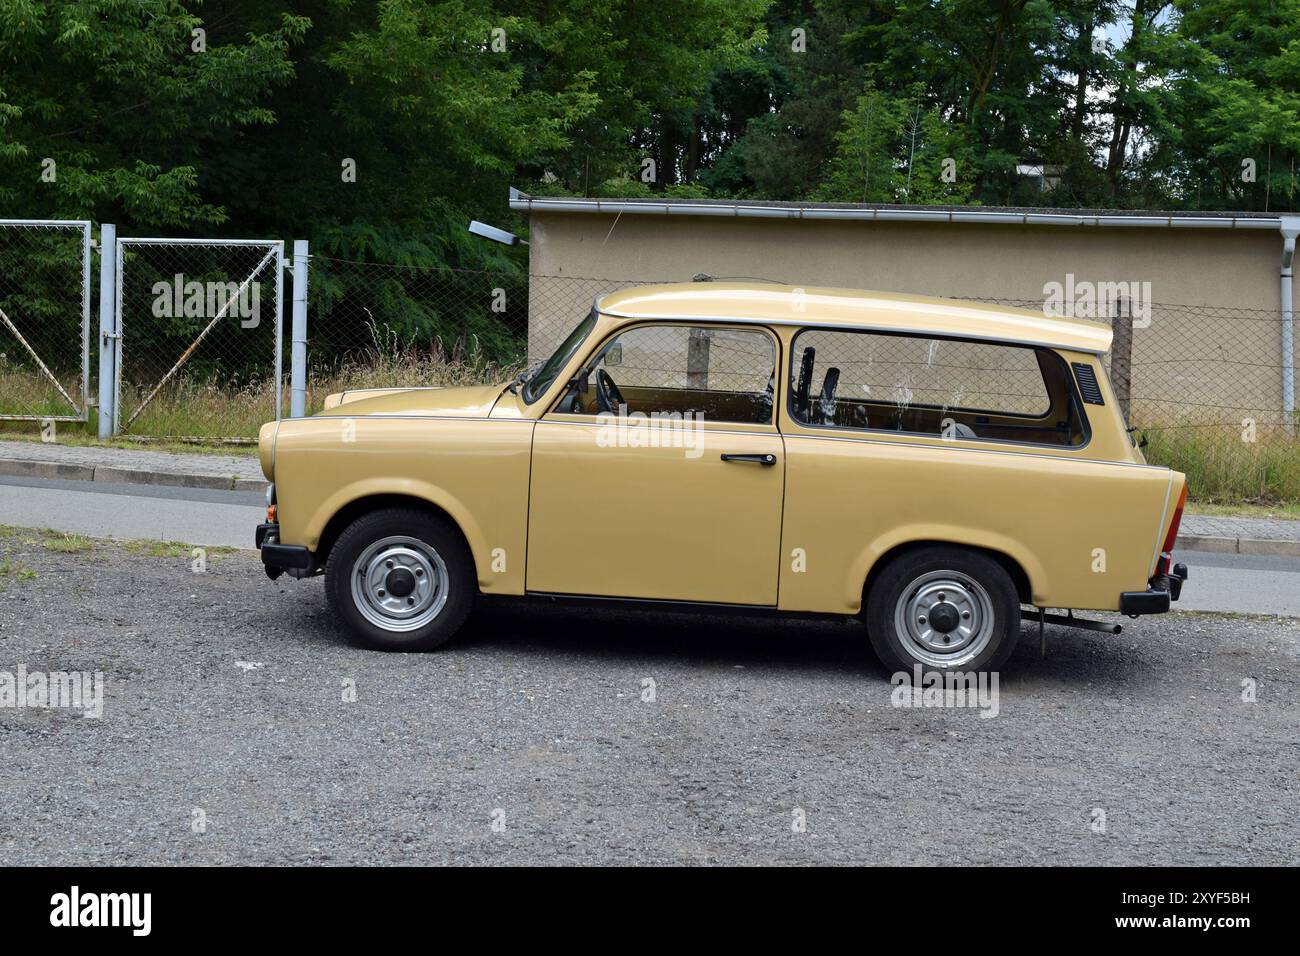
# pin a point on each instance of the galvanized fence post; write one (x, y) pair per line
(1290, 231)
(1121, 356)
(279, 328)
(108, 330)
(298, 347)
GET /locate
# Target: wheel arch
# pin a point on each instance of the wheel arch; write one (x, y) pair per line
(376, 501)
(1019, 576)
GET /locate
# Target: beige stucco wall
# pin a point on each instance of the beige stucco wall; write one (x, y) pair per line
(1212, 350)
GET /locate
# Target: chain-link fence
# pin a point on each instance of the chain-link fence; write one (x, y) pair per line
(1202, 386)
(1179, 367)
(200, 349)
(1191, 366)
(374, 326)
(44, 320)
(1187, 366)
(557, 303)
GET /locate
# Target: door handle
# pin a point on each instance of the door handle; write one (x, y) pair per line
(767, 461)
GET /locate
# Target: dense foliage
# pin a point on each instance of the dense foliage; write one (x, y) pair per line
(248, 127)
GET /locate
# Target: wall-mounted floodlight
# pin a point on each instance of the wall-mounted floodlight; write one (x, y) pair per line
(496, 235)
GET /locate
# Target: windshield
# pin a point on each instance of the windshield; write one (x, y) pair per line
(539, 381)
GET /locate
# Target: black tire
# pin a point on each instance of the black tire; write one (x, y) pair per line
(425, 533)
(920, 576)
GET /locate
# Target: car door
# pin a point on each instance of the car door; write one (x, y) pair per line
(670, 487)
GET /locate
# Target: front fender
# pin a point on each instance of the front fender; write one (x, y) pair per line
(475, 470)
(410, 487)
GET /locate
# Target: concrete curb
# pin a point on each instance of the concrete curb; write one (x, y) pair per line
(1261, 546)
(25, 468)
(46, 469)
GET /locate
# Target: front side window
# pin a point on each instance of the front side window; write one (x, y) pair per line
(714, 373)
(951, 388)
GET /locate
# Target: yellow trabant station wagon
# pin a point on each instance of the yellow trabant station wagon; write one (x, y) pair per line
(941, 469)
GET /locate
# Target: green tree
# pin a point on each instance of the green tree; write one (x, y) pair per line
(898, 150)
(107, 111)
(1235, 103)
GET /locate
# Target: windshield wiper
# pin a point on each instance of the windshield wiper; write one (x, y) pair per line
(523, 377)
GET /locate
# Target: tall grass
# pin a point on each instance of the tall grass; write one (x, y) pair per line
(1222, 468)
(25, 391)
(389, 362)
(211, 408)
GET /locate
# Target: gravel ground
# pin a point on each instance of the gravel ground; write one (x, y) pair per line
(225, 694)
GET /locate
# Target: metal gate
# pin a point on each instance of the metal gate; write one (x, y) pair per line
(44, 320)
(199, 336)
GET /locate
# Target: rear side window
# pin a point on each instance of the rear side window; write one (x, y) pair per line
(932, 386)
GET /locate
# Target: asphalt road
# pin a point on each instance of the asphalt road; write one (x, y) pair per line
(1220, 582)
(110, 510)
(230, 734)
(1240, 583)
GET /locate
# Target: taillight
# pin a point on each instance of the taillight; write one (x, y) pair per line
(1172, 536)
(1167, 549)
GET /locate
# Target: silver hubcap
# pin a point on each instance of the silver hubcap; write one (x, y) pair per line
(399, 584)
(944, 618)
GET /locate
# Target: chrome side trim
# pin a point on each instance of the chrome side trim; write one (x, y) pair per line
(275, 440)
(397, 388)
(406, 418)
(768, 430)
(772, 430)
(956, 446)
(1155, 556)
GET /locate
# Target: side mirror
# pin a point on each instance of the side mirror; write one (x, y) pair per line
(614, 354)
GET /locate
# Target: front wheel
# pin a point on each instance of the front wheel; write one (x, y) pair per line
(944, 608)
(402, 580)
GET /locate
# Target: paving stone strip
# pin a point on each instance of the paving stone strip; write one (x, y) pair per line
(1280, 536)
(135, 466)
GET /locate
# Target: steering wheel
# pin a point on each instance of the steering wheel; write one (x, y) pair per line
(801, 389)
(608, 397)
(826, 401)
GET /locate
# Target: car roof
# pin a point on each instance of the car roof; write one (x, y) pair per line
(773, 304)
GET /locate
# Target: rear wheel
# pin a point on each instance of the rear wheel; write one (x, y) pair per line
(944, 608)
(402, 580)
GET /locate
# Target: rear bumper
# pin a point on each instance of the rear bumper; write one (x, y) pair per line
(277, 555)
(1162, 589)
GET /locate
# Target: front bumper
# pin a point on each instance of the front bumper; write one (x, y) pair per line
(278, 557)
(1161, 590)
